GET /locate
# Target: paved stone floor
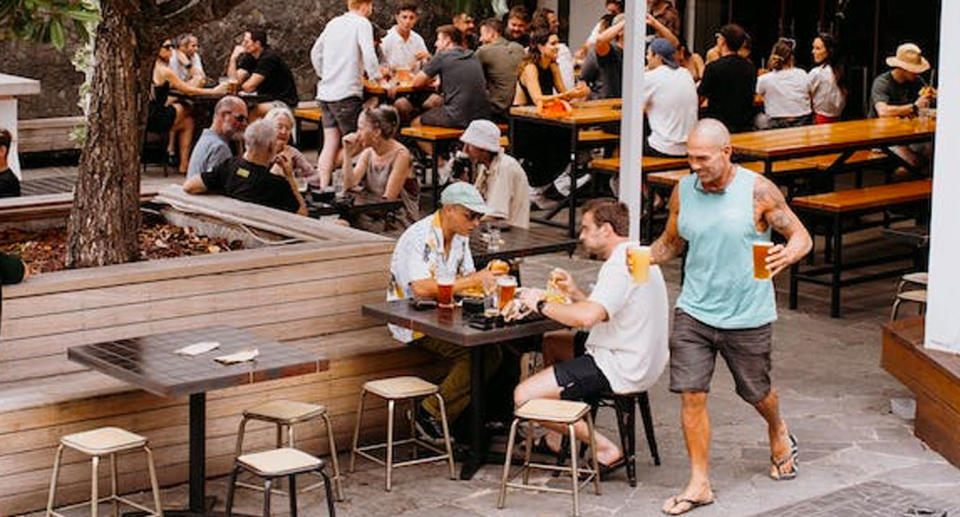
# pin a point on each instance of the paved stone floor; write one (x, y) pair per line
(834, 396)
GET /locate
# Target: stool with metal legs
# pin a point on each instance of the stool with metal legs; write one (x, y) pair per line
(286, 414)
(279, 463)
(105, 441)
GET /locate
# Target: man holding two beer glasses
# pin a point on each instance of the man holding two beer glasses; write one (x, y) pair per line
(432, 260)
(627, 317)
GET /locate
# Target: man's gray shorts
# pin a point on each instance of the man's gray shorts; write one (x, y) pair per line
(693, 355)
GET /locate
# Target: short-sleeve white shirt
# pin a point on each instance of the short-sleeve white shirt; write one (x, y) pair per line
(786, 93)
(417, 256)
(506, 190)
(828, 99)
(400, 52)
(630, 348)
(671, 104)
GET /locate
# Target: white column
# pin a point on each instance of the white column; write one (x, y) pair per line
(631, 125)
(942, 323)
(8, 121)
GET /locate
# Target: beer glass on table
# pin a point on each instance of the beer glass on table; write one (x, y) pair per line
(506, 288)
(445, 280)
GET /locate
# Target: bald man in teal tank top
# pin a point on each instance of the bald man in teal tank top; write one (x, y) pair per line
(716, 214)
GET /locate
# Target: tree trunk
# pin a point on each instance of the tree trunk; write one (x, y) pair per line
(105, 216)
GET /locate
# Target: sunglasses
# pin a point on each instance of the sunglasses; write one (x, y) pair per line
(240, 118)
(168, 45)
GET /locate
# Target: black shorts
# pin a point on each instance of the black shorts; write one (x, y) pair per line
(440, 117)
(342, 114)
(580, 378)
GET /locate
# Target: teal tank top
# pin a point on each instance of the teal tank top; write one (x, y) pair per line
(718, 286)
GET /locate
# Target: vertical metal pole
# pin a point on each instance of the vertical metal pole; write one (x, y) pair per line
(198, 451)
(631, 127)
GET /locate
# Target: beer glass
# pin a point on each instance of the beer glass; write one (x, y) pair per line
(638, 263)
(445, 280)
(760, 251)
(506, 288)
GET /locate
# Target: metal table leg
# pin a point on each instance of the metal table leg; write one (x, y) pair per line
(478, 452)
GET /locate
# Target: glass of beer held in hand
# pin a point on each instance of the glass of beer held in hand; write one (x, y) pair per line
(445, 280)
(760, 251)
(638, 263)
(506, 288)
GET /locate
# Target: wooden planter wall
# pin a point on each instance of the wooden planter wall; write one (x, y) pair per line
(307, 295)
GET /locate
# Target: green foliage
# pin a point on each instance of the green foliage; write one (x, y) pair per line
(48, 21)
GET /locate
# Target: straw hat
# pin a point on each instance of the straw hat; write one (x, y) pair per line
(910, 58)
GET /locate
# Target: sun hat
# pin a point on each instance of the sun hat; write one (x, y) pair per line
(463, 193)
(483, 134)
(910, 58)
(663, 48)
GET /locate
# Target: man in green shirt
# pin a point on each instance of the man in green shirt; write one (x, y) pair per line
(501, 61)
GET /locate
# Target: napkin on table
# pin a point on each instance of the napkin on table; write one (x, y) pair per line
(238, 357)
(198, 348)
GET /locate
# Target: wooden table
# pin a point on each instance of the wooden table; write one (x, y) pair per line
(355, 203)
(149, 362)
(588, 113)
(843, 137)
(647, 165)
(519, 242)
(379, 89)
(450, 326)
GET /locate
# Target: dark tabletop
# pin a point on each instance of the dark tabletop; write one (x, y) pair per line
(355, 203)
(450, 326)
(149, 362)
(518, 242)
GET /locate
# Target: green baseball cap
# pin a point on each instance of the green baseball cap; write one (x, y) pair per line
(463, 193)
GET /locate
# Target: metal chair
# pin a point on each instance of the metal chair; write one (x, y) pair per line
(279, 463)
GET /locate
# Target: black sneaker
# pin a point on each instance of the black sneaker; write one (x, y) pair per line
(427, 426)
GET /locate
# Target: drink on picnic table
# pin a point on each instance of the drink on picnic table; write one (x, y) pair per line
(638, 263)
(233, 85)
(506, 288)
(760, 251)
(445, 280)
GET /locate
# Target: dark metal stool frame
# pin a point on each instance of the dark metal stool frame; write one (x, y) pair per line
(268, 487)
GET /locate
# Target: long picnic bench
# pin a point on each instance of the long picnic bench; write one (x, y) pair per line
(47, 134)
(840, 211)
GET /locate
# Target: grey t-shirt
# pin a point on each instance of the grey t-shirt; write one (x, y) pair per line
(887, 89)
(501, 62)
(604, 74)
(461, 83)
(211, 150)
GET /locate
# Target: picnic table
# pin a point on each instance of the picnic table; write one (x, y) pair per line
(519, 242)
(149, 362)
(584, 114)
(452, 327)
(351, 205)
(379, 89)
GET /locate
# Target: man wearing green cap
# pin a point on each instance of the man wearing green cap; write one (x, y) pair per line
(437, 242)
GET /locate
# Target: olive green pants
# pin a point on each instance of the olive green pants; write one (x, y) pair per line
(455, 388)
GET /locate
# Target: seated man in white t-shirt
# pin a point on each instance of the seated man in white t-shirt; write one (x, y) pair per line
(626, 350)
(669, 101)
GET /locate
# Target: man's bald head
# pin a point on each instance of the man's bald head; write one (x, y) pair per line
(229, 103)
(230, 117)
(710, 132)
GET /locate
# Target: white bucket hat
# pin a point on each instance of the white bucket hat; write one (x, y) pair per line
(483, 134)
(910, 58)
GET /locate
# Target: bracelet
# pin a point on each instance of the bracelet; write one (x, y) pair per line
(540, 305)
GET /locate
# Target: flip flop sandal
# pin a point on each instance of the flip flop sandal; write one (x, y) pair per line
(793, 458)
(606, 470)
(693, 505)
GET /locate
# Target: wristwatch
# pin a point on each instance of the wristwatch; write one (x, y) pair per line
(540, 305)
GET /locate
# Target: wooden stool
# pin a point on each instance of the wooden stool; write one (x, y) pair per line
(286, 413)
(277, 463)
(918, 296)
(105, 441)
(394, 389)
(564, 412)
(624, 404)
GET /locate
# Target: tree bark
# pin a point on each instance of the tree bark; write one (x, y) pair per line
(105, 216)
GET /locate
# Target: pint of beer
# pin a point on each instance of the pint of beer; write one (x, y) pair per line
(233, 85)
(506, 288)
(638, 263)
(445, 282)
(760, 250)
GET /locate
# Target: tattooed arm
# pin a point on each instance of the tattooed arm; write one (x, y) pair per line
(771, 210)
(670, 244)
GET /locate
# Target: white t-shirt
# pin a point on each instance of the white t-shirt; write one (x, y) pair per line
(506, 190)
(565, 63)
(828, 99)
(184, 73)
(417, 256)
(340, 56)
(671, 104)
(400, 52)
(786, 93)
(630, 348)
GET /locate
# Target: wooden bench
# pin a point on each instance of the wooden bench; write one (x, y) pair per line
(836, 210)
(649, 164)
(47, 134)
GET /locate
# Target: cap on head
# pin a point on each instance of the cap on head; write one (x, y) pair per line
(463, 193)
(483, 134)
(665, 50)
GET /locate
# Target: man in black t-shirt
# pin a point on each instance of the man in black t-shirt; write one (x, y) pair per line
(729, 83)
(259, 69)
(603, 68)
(9, 183)
(250, 178)
(462, 83)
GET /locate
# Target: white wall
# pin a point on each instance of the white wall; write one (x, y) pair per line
(943, 323)
(583, 16)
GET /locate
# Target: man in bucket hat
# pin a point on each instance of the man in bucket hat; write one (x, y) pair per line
(900, 92)
(500, 178)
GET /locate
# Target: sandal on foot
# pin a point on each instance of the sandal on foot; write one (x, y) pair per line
(542, 447)
(691, 505)
(792, 458)
(606, 470)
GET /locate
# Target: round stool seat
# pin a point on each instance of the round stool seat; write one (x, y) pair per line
(105, 440)
(548, 410)
(401, 387)
(917, 296)
(279, 462)
(285, 411)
